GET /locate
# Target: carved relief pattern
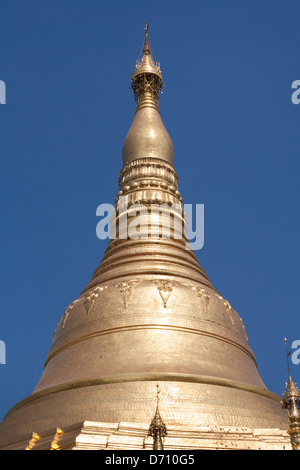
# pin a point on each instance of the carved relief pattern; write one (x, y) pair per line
(63, 319)
(125, 290)
(206, 297)
(66, 314)
(229, 309)
(203, 295)
(159, 186)
(165, 288)
(89, 299)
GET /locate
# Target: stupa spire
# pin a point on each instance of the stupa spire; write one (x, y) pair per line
(291, 402)
(146, 49)
(147, 77)
(148, 314)
(147, 136)
(157, 429)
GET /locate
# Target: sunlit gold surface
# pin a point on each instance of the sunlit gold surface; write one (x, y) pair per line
(291, 402)
(147, 136)
(91, 435)
(149, 316)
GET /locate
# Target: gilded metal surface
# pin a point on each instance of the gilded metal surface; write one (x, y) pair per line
(291, 402)
(157, 429)
(93, 435)
(147, 77)
(147, 136)
(148, 315)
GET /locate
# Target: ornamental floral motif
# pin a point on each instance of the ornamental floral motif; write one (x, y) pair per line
(125, 290)
(229, 309)
(66, 314)
(90, 298)
(203, 295)
(165, 288)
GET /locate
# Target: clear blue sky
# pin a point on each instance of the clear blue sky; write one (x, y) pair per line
(228, 68)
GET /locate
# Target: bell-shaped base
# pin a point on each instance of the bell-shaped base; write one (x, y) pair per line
(194, 401)
(124, 336)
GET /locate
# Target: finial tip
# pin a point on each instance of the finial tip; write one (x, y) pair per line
(146, 44)
(288, 353)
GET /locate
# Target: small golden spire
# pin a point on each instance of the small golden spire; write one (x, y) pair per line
(147, 136)
(291, 402)
(157, 428)
(147, 78)
(146, 49)
(292, 391)
(287, 357)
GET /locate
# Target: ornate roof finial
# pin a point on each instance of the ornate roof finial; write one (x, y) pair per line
(287, 356)
(146, 79)
(292, 391)
(291, 402)
(147, 136)
(146, 49)
(157, 427)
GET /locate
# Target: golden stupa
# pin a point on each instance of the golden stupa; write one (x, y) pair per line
(149, 318)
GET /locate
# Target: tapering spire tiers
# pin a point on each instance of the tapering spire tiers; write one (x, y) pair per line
(147, 136)
(157, 428)
(292, 392)
(147, 49)
(291, 402)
